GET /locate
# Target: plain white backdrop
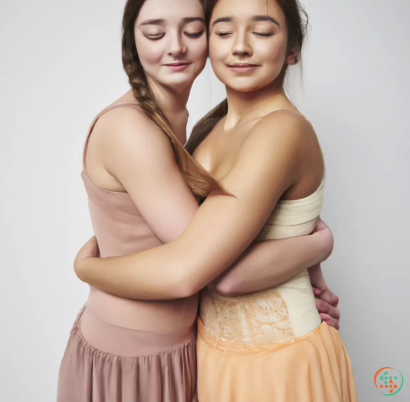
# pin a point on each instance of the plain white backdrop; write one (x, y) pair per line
(60, 64)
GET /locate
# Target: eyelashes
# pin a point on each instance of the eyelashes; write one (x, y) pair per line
(154, 37)
(265, 35)
(193, 35)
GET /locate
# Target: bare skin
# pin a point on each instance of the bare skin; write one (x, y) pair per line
(223, 226)
(107, 154)
(292, 121)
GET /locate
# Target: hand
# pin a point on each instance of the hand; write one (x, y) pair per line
(326, 236)
(90, 249)
(326, 303)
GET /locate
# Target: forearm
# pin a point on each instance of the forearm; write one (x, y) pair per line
(182, 267)
(316, 276)
(132, 276)
(270, 263)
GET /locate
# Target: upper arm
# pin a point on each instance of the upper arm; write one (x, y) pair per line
(140, 156)
(225, 225)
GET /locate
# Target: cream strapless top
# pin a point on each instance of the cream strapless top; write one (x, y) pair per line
(276, 315)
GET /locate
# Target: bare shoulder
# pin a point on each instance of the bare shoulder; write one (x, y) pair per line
(286, 127)
(283, 143)
(125, 138)
(123, 122)
(127, 133)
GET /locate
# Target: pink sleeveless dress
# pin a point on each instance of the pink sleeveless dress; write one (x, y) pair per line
(123, 350)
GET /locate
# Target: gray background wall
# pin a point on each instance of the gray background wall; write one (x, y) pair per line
(60, 64)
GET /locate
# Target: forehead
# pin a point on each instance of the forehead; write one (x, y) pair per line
(246, 9)
(170, 9)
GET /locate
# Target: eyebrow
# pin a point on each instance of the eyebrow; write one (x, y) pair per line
(223, 19)
(161, 21)
(192, 19)
(153, 22)
(265, 18)
(256, 18)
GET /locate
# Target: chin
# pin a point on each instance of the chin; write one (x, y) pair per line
(249, 84)
(245, 86)
(178, 82)
(244, 89)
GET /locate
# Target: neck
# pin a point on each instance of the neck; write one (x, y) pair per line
(173, 103)
(244, 106)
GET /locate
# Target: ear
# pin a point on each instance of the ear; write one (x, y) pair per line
(293, 55)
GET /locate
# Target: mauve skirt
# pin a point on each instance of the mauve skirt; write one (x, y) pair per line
(126, 365)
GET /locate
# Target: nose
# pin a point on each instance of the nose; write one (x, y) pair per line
(177, 46)
(241, 46)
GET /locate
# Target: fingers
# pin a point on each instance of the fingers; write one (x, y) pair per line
(328, 309)
(328, 297)
(332, 322)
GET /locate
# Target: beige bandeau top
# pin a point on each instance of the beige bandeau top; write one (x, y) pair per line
(276, 315)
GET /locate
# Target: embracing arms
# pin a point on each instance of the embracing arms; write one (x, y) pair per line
(221, 229)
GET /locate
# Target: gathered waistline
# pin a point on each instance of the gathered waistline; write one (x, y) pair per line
(124, 342)
(226, 347)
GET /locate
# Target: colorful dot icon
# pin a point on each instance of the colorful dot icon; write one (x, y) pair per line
(386, 379)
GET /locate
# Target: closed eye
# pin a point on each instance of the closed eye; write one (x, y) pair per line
(194, 34)
(263, 34)
(155, 37)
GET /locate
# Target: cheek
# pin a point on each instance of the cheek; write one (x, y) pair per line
(199, 50)
(275, 54)
(150, 54)
(215, 48)
(273, 58)
(218, 52)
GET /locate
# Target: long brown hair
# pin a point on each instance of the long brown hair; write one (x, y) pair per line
(296, 22)
(197, 178)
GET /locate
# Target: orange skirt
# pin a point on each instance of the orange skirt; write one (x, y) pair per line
(312, 368)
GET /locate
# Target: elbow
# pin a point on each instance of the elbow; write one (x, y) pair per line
(185, 287)
(184, 291)
(79, 270)
(228, 287)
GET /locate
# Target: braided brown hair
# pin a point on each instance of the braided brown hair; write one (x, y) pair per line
(197, 178)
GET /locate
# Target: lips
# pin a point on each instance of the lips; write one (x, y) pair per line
(243, 67)
(177, 64)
